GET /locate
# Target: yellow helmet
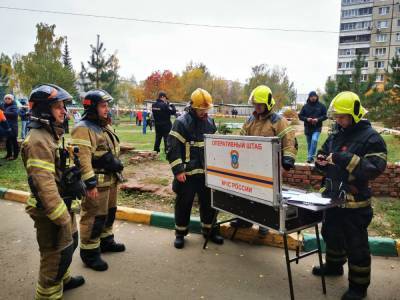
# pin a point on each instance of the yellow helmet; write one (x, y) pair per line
(201, 99)
(347, 103)
(262, 95)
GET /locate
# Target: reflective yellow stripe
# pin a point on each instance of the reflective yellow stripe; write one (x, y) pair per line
(285, 131)
(67, 276)
(288, 153)
(187, 155)
(353, 163)
(41, 164)
(182, 228)
(358, 204)
(31, 202)
(81, 142)
(242, 131)
(50, 292)
(100, 178)
(382, 155)
(99, 153)
(197, 144)
(206, 225)
(106, 232)
(195, 171)
(176, 162)
(359, 269)
(359, 280)
(178, 136)
(58, 211)
(88, 175)
(90, 246)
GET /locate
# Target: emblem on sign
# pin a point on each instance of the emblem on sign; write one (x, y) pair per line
(234, 159)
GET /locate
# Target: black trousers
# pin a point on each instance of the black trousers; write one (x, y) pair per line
(161, 133)
(185, 194)
(12, 146)
(345, 233)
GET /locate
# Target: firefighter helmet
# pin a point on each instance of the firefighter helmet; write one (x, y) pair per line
(201, 99)
(43, 96)
(347, 103)
(262, 95)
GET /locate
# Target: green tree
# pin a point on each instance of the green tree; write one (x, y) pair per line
(195, 76)
(276, 79)
(66, 57)
(390, 102)
(44, 64)
(102, 71)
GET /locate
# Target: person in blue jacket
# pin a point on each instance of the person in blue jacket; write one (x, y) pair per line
(11, 114)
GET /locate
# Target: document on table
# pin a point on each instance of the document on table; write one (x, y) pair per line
(309, 198)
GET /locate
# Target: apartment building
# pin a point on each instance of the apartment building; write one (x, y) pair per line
(370, 28)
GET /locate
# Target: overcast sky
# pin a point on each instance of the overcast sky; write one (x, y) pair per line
(146, 47)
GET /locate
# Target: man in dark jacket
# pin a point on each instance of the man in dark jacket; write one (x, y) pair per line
(162, 112)
(351, 156)
(186, 157)
(312, 114)
(11, 114)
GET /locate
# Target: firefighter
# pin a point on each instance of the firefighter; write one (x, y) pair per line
(186, 157)
(100, 166)
(351, 156)
(45, 162)
(264, 122)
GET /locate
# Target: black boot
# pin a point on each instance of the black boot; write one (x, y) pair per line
(329, 270)
(239, 223)
(73, 283)
(92, 259)
(108, 244)
(179, 242)
(354, 294)
(215, 237)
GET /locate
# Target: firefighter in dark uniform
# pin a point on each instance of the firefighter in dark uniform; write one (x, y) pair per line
(351, 156)
(47, 164)
(186, 157)
(101, 172)
(162, 111)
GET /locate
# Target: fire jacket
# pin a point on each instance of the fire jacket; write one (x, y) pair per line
(94, 142)
(41, 157)
(358, 154)
(270, 125)
(186, 143)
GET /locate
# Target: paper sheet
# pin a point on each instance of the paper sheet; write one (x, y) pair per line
(313, 198)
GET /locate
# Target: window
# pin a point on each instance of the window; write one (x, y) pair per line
(379, 78)
(382, 24)
(348, 13)
(380, 51)
(398, 51)
(364, 77)
(379, 64)
(380, 38)
(384, 10)
(346, 52)
(398, 21)
(397, 36)
(346, 65)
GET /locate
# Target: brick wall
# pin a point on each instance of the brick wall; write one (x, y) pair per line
(304, 176)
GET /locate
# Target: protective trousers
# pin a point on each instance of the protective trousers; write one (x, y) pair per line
(97, 217)
(56, 246)
(185, 194)
(161, 133)
(345, 233)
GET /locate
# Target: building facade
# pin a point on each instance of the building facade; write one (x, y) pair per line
(370, 28)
